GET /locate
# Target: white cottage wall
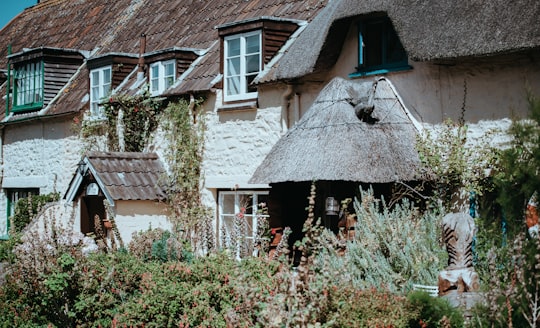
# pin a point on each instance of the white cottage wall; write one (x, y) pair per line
(39, 154)
(238, 140)
(133, 216)
(488, 88)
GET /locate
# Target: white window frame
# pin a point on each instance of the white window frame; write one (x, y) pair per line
(159, 83)
(254, 208)
(99, 89)
(242, 75)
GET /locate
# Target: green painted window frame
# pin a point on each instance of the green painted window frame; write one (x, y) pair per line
(367, 47)
(12, 196)
(34, 86)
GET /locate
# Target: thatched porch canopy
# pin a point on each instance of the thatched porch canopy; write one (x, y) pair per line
(354, 131)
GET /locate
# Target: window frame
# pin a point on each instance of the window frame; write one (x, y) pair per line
(387, 32)
(223, 215)
(244, 93)
(162, 76)
(12, 196)
(33, 85)
(103, 90)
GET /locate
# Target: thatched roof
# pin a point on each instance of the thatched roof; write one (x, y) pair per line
(343, 137)
(428, 29)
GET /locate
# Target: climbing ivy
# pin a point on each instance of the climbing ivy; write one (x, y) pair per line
(129, 123)
(131, 120)
(184, 131)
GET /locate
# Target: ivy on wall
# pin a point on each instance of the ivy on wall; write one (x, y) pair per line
(131, 120)
(129, 123)
(184, 132)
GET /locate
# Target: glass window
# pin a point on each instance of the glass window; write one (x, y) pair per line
(28, 88)
(162, 76)
(242, 64)
(379, 49)
(240, 213)
(13, 195)
(100, 87)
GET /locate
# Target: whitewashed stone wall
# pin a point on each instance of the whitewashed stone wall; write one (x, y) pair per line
(41, 154)
(134, 216)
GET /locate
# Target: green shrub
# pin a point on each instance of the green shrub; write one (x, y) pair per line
(393, 248)
(159, 245)
(7, 246)
(27, 208)
(433, 311)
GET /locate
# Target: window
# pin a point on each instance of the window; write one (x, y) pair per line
(379, 50)
(100, 87)
(28, 88)
(242, 63)
(162, 76)
(13, 195)
(239, 212)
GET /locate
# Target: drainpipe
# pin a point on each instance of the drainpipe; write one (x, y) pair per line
(191, 107)
(296, 112)
(8, 86)
(142, 50)
(285, 107)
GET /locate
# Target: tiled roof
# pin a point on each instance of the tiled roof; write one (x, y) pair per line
(129, 176)
(103, 26)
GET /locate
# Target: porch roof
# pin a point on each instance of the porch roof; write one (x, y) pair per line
(120, 176)
(353, 132)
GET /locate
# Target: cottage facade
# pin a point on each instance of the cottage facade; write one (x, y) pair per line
(60, 60)
(260, 66)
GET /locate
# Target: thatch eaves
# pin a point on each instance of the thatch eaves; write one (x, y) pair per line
(357, 132)
(428, 30)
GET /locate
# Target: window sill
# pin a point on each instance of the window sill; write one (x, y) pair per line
(379, 71)
(27, 108)
(239, 106)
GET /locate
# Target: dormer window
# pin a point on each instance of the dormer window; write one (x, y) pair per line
(379, 48)
(100, 87)
(28, 86)
(162, 76)
(243, 61)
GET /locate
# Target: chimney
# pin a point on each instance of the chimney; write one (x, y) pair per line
(142, 50)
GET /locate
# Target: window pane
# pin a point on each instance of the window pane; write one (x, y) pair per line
(95, 78)
(233, 47)
(373, 41)
(249, 79)
(252, 44)
(394, 50)
(227, 204)
(233, 66)
(154, 84)
(168, 82)
(107, 76)
(252, 64)
(233, 85)
(169, 69)
(154, 72)
(94, 93)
